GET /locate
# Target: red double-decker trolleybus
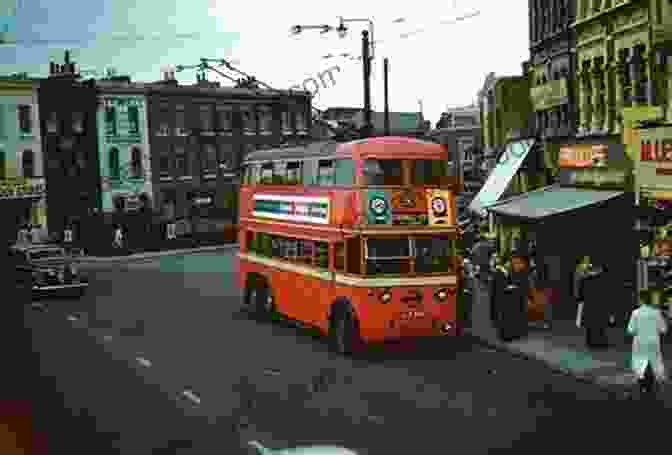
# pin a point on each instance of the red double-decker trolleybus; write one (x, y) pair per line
(358, 239)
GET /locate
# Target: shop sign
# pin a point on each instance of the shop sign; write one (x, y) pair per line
(658, 152)
(654, 166)
(297, 208)
(549, 95)
(14, 190)
(598, 177)
(583, 155)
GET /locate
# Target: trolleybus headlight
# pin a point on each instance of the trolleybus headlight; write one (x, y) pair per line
(386, 296)
(441, 295)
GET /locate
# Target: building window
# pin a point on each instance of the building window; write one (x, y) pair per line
(226, 158)
(133, 120)
(249, 120)
(3, 163)
(52, 123)
(168, 202)
(265, 115)
(164, 164)
(28, 163)
(164, 116)
(286, 122)
(224, 118)
(301, 121)
(25, 119)
(136, 163)
(78, 122)
(113, 163)
(205, 115)
(181, 161)
(180, 121)
(209, 160)
(81, 161)
(110, 121)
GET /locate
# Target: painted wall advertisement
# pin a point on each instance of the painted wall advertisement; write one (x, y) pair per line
(584, 155)
(292, 208)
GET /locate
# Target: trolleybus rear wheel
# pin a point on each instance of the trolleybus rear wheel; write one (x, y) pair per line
(260, 302)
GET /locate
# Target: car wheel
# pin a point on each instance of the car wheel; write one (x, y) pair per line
(344, 333)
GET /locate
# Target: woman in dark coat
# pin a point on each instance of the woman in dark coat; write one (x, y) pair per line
(595, 315)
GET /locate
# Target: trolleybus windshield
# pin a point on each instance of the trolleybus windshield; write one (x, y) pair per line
(432, 254)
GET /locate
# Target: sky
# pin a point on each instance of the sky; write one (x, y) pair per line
(433, 57)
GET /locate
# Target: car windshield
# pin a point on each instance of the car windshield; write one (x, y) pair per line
(46, 254)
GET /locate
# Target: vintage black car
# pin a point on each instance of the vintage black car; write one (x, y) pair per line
(47, 269)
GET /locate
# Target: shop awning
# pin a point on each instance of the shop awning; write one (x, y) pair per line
(500, 177)
(551, 200)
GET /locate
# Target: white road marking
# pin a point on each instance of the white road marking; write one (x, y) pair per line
(192, 396)
(72, 318)
(144, 362)
(107, 337)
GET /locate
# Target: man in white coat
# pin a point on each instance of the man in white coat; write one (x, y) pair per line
(647, 325)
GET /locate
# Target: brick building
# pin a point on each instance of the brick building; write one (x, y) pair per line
(198, 135)
(70, 146)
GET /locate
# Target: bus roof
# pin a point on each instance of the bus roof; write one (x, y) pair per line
(330, 149)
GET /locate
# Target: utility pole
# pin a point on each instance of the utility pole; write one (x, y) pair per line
(366, 60)
(387, 105)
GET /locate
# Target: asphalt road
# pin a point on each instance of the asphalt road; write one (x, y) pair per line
(147, 332)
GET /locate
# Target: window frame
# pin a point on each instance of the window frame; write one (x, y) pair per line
(206, 111)
(31, 153)
(248, 118)
(224, 111)
(111, 121)
(184, 170)
(332, 173)
(25, 121)
(114, 163)
(137, 165)
(133, 117)
(209, 156)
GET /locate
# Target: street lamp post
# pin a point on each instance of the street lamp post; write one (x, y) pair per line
(368, 54)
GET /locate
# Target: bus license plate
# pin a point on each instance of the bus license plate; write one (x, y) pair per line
(412, 315)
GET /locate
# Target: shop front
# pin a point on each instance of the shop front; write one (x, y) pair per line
(588, 212)
(653, 177)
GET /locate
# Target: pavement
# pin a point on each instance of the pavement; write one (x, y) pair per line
(563, 350)
(154, 254)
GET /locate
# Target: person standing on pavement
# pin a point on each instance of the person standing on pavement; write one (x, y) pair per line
(118, 238)
(482, 253)
(646, 325)
(501, 279)
(595, 314)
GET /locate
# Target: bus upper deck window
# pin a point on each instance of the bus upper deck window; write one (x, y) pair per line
(383, 172)
(430, 172)
(294, 172)
(325, 172)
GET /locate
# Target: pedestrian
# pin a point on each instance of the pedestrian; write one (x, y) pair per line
(595, 313)
(67, 237)
(481, 255)
(646, 325)
(118, 237)
(501, 279)
(23, 233)
(30, 233)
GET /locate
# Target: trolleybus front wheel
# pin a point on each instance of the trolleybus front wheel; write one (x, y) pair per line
(344, 333)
